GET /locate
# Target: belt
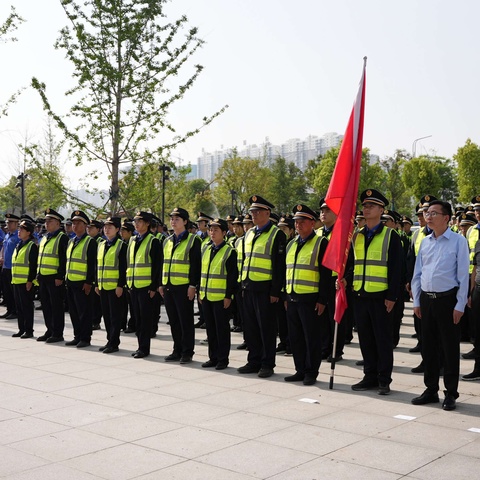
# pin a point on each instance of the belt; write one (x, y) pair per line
(434, 295)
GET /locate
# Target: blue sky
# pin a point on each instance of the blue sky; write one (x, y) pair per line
(288, 69)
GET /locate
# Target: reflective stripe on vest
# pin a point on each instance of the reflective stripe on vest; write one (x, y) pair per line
(303, 272)
(108, 265)
(258, 256)
(48, 260)
(77, 259)
(139, 264)
(239, 247)
(417, 239)
(473, 235)
(213, 280)
(20, 265)
(176, 263)
(321, 233)
(371, 272)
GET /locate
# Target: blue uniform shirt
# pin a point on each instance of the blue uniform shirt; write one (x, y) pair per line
(9, 244)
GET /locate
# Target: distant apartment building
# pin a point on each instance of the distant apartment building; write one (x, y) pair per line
(294, 150)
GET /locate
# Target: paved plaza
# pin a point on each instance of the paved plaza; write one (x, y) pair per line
(78, 414)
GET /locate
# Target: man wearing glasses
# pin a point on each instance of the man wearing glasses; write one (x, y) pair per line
(440, 288)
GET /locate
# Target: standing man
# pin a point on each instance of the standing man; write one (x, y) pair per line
(80, 278)
(9, 244)
(263, 277)
(95, 230)
(440, 287)
(307, 286)
(376, 278)
(52, 260)
(180, 276)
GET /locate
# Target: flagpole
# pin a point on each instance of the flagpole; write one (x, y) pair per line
(332, 372)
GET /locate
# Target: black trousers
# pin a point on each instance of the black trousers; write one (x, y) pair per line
(441, 339)
(217, 320)
(260, 324)
(282, 323)
(180, 315)
(52, 298)
(112, 310)
(157, 305)
(327, 325)
(96, 310)
(374, 326)
(304, 330)
(397, 314)
(7, 290)
(80, 307)
(25, 309)
(143, 307)
(475, 317)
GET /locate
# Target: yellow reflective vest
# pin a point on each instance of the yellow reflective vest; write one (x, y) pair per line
(139, 263)
(20, 265)
(239, 247)
(258, 256)
(48, 259)
(321, 233)
(176, 262)
(303, 272)
(108, 265)
(473, 235)
(213, 280)
(371, 271)
(417, 239)
(77, 264)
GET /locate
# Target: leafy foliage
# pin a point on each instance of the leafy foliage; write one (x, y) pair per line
(468, 161)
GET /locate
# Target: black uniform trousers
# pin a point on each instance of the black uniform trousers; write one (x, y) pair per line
(143, 307)
(282, 322)
(375, 326)
(180, 315)
(25, 309)
(260, 326)
(441, 339)
(112, 310)
(157, 305)
(327, 323)
(397, 313)
(80, 307)
(96, 310)
(304, 330)
(475, 315)
(8, 291)
(217, 319)
(52, 299)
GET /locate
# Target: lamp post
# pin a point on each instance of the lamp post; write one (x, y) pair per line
(21, 184)
(233, 193)
(165, 169)
(414, 145)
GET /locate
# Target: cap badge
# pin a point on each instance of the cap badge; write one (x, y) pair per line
(175, 209)
(427, 198)
(369, 193)
(77, 212)
(478, 198)
(254, 198)
(299, 208)
(47, 210)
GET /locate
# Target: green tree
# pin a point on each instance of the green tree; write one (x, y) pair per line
(371, 174)
(128, 63)
(421, 176)
(10, 197)
(320, 171)
(394, 188)
(448, 173)
(468, 161)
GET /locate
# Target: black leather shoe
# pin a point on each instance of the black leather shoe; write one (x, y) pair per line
(199, 324)
(248, 368)
(425, 398)
(83, 344)
(140, 354)
(471, 355)
(383, 388)
(265, 372)
(339, 358)
(242, 346)
(475, 375)
(281, 348)
(184, 359)
(309, 380)
(208, 364)
(221, 366)
(296, 377)
(18, 334)
(129, 330)
(43, 338)
(110, 350)
(134, 353)
(5, 315)
(96, 327)
(449, 403)
(419, 369)
(71, 343)
(12, 316)
(27, 335)
(54, 339)
(360, 363)
(364, 384)
(415, 349)
(172, 358)
(101, 349)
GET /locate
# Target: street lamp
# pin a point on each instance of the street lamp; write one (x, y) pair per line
(233, 193)
(414, 146)
(165, 169)
(21, 184)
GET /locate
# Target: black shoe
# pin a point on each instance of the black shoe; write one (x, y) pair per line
(339, 358)
(184, 359)
(43, 338)
(134, 353)
(475, 375)
(471, 355)
(281, 348)
(309, 380)
(101, 349)
(237, 329)
(221, 366)
(18, 334)
(54, 339)
(27, 335)
(265, 372)
(383, 388)
(364, 385)
(288, 353)
(414, 335)
(199, 324)
(248, 368)
(140, 354)
(425, 397)
(415, 349)
(153, 335)
(325, 356)
(209, 364)
(96, 327)
(449, 403)
(110, 350)
(129, 330)
(71, 343)
(12, 316)
(419, 369)
(83, 344)
(5, 315)
(172, 358)
(360, 363)
(39, 308)
(296, 377)
(242, 346)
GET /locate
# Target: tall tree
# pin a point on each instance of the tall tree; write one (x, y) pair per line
(421, 176)
(468, 161)
(127, 60)
(395, 189)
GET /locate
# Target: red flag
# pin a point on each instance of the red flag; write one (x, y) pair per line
(342, 194)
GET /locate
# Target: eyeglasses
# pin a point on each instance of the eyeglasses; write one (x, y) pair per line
(432, 214)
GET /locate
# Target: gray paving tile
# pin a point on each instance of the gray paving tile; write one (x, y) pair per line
(14, 462)
(53, 471)
(449, 466)
(26, 427)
